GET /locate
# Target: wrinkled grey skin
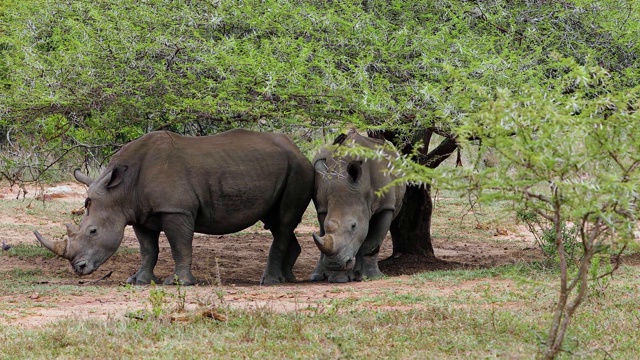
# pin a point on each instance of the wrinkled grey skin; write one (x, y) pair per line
(180, 185)
(353, 219)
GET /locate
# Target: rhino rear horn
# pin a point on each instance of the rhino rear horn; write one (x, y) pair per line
(325, 243)
(57, 247)
(82, 177)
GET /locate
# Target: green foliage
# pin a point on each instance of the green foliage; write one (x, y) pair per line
(157, 299)
(546, 237)
(568, 153)
(600, 274)
(569, 242)
(579, 157)
(81, 78)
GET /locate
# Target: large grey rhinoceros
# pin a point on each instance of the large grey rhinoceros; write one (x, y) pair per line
(353, 219)
(180, 185)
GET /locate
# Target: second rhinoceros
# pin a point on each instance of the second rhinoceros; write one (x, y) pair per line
(180, 185)
(353, 218)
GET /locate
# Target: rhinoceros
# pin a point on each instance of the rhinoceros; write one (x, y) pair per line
(353, 219)
(180, 185)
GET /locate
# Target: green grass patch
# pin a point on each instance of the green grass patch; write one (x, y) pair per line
(124, 250)
(21, 274)
(27, 251)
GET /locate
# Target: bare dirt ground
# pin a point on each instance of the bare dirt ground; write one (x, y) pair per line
(229, 268)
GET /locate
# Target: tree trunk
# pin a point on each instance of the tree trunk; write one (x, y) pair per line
(411, 230)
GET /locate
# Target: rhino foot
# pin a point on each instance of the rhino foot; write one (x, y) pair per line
(142, 279)
(290, 278)
(341, 276)
(180, 280)
(318, 277)
(270, 279)
(372, 273)
(370, 269)
(358, 275)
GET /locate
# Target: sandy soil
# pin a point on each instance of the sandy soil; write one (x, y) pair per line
(236, 261)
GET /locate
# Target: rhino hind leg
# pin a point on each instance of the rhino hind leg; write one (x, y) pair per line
(282, 221)
(176, 279)
(142, 279)
(281, 254)
(291, 256)
(148, 240)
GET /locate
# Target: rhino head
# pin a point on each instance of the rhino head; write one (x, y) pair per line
(102, 228)
(343, 204)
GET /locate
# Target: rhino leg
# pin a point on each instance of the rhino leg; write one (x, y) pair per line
(148, 240)
(291, 256)
(280, 253)
(282, 222)
(367, 257)
(319, 273)
(179, 231)
(368, 267)
(341, 276)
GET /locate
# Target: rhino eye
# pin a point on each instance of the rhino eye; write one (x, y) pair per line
(353, 226)
(93, 231)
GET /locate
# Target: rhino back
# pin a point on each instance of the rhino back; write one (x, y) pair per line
(226, 182)
(373, 170)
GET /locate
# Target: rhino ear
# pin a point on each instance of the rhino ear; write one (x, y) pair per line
(82, 177)
(354, 169)
(117, 175)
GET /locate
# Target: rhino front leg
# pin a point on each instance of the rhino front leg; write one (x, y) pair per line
(179, 231)
(368, 267)
(319, 273)
(341, 276)
(148, 240)
(367, 256)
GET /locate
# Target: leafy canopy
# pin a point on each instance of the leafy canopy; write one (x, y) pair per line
(77, 74)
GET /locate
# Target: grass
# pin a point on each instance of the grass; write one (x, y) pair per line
(483, 318)
(27, 250)
(458, 218)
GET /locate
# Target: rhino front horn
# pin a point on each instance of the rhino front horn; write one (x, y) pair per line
(325, 244)
(57, 247)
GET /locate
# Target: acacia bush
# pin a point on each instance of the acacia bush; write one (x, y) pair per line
(81, 78)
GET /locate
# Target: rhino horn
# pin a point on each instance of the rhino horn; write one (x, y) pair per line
(71, 230)
(57, 247)
(325, 243)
